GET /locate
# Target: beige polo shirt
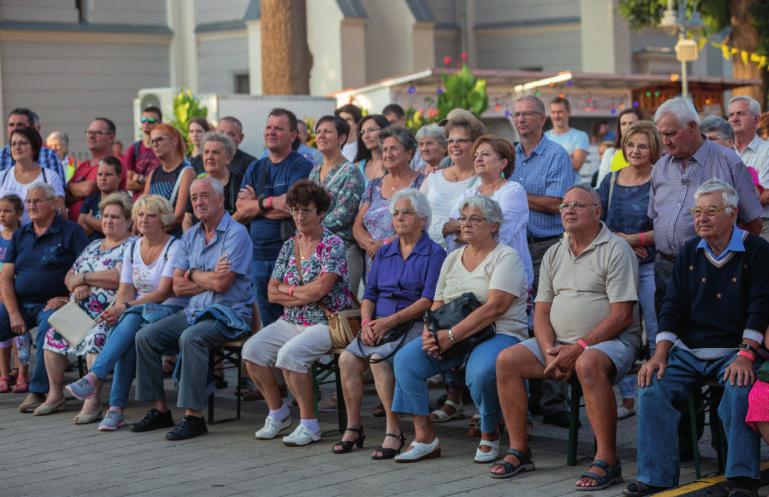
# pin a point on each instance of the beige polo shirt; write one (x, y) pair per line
(583, 288)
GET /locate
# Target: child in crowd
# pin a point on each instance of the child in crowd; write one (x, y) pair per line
(11, 208)
(107, 181)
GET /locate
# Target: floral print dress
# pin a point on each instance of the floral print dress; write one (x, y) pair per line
(91, 260)
(345, 185)
(329, 257)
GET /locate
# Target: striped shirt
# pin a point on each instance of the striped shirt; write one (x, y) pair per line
(672, 192)
(48, 160)
(756, 155)
(546, 172)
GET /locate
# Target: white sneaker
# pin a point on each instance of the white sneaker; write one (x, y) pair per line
(419, 450)
(272, 428)
(301, 436)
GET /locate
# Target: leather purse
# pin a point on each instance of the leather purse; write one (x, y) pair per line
(72, 323)
(344, 325)
(451, 314)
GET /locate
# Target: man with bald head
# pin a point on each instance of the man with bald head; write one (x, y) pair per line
(213, 268)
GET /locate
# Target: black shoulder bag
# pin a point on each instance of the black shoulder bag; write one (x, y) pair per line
(452, 314)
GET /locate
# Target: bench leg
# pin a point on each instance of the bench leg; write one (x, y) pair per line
(340, 404)
(575, 394)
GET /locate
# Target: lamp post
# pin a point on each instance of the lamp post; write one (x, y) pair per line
(679, 23)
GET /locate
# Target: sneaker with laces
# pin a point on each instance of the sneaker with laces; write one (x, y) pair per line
(301, 436)
(113, 420)
(272, 428)
(153, 420)
(82, 389)
(189, 427)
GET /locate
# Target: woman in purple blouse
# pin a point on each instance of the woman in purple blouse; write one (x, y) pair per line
(400, 288)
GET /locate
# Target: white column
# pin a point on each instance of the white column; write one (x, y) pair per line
(605, 38)
(254, 57)
(183, 49)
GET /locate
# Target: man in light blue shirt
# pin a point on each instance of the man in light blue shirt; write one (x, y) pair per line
(576, 142)
(213, 268)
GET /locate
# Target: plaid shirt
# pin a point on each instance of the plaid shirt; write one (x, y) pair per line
(48, 160)
(756, 155)
(672, 192)
(546, 172)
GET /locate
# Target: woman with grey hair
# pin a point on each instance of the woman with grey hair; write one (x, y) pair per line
(58, 141)
(218, 150)
(495, 275)
(373, 226)
(400, 288)
(432, 145)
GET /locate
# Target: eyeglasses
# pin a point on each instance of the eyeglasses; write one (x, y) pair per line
(97, 132)
(150, 120)
(574, 205)
(471, 219)
(158, 140)
(708, 211)
(458, 141)
(405, 212)
(526, 114)
(305, 212)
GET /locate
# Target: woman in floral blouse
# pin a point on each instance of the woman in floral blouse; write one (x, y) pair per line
(344, 183)
(92, 282)
(310, 282)
(373, 225)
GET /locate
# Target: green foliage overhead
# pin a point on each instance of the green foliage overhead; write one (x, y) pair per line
(462, 90)
(647, 13)
(186, 108)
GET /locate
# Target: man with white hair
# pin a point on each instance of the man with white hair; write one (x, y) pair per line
(689, 161)
(213, 268)
(744, 113)
(712, 323)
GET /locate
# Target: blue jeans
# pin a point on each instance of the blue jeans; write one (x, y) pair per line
(658, 461)
(33, 315)
(646, 289)
(413, 366)
(119, 353)
(268, 312)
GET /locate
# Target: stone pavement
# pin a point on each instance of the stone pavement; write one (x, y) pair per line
(49, 456)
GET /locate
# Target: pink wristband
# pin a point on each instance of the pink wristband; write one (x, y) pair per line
(364, 322)
(641, 238)
(268, 202)
(291, 290)
(582, 344)
(747, 355)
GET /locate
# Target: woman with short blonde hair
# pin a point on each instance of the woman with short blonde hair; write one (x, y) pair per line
(145, 295)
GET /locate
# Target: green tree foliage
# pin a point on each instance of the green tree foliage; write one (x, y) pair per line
(186, 108)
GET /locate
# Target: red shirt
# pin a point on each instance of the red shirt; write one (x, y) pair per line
(84, 172)
(143, 164)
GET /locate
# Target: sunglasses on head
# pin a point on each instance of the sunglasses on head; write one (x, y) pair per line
(151, 120)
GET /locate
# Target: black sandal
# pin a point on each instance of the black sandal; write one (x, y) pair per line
(525, 463)
(386, 452)
(345, 446)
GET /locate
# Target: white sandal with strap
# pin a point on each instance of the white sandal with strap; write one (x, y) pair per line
(491, 455)
(441, 416)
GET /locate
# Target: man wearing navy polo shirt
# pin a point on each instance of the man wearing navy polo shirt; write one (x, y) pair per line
(32, 280)
(262, 201)
(545, 171)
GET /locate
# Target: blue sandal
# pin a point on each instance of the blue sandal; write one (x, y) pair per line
(525, 463)
(613, 475)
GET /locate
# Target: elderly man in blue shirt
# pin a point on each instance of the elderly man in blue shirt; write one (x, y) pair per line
(545, 171)
(213, 268)
(32, 280)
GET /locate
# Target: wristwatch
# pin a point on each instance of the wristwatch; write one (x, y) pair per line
(189, 273)
(748, 347)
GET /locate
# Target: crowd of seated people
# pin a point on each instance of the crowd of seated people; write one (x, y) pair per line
(174, 251)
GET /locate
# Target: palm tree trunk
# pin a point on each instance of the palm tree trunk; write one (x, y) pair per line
(286, 57)
(745, 37)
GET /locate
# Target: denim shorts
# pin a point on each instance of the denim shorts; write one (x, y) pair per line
(621, 354)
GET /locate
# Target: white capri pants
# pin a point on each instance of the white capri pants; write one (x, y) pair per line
(288, 346)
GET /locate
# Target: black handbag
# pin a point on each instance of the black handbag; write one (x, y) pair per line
(450, 315)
